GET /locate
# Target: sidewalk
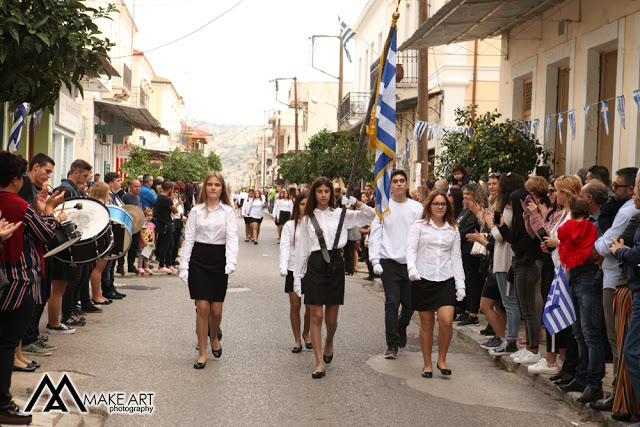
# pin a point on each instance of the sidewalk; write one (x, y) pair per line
(470, 336)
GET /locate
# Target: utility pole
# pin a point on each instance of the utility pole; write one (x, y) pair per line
(423, 98)
(295, 96)
(475, 80)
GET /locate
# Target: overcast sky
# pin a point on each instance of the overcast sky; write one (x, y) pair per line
(223, 71)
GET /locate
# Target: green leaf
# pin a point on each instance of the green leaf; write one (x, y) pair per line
(44, 38)
(14, 33)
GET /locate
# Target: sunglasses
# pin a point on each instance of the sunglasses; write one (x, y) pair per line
(551, 191)
(616, 186)
(494, 174)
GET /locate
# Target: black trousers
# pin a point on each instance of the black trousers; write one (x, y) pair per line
(107, 278)
(132, 255)
(163, 249)
(176, 241)
(348, 256)
(13, 324)
(77, 289)
(397, 291)
(473, 280)
(33, 331)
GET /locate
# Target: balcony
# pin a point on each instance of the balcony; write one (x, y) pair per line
(407, 67)
(121, 88)
(140, 98)
(353, 108)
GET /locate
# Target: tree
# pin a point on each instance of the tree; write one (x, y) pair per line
(490, 146)
(192, 165)
(138, 164)
(47, 43)
(329, 154)
(215, 162)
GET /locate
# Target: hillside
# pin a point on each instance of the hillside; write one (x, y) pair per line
(235, 144)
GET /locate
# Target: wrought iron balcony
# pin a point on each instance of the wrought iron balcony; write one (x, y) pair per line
(353, 106)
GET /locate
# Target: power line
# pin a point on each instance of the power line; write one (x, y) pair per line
(187, 35)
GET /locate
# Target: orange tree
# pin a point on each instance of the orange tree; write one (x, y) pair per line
(491, 146)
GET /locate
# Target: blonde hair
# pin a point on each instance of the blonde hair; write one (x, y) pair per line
(224, 196)
(100, 191)
(537, 185)
(570, 184)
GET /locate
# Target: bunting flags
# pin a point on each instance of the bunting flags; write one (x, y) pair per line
(559, 125)
(346, 34)
(604, 111)
(536, 123)
(620, 103)
(636, 97)
(572, 123)
(16, 129)
(547, 128)
(587, 108)
(558, 312)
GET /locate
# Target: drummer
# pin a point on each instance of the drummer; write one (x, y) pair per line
(109, 291)
(132, 198)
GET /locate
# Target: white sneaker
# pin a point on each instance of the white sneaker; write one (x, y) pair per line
(542, 367)
(518, 353)
(528, 357)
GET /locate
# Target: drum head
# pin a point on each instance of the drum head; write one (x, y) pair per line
(89, 215)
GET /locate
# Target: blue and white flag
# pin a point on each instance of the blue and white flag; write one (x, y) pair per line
(346, 34)
(636, 97)
(620, 103)
(16, 130)
(536, 124)
(559, 312)
(587, 108)
(572, 123)
(527, 126)
(604, 111)
(559, 126)
(385, 131)
(547, 128)
(423, 126)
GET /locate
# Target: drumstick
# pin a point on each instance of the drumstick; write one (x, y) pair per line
(78, 206)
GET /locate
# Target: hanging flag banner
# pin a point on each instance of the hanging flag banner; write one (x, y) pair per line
(547, 128)
(620, 103)
(572, 123)
(636, 97)
(527, 126)
(536, 123)
(559, 125)
(16, 129)
(604, 111)
(587, 108)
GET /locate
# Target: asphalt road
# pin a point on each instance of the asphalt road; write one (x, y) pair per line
(146, 343)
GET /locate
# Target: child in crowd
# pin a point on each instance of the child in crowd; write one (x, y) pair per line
(459, 176)
(576, 235)
(147, 242)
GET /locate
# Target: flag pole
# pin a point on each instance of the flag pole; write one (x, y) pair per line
(364, 129)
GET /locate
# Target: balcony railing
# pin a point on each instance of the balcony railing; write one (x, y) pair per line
(354, 106)
(408, 60)
(140, 98)
(125, 80)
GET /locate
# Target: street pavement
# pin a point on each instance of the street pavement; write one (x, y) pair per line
(146, 343)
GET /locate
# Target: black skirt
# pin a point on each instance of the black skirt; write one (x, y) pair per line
(207, 280)
(284, 217)
(323, 283)
(429, 296)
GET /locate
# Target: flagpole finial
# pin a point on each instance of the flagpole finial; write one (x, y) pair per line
(395, 17)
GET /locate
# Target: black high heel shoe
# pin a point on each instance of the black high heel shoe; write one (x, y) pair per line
(444, 371)
(427, 374)
(327, 359)
(217, 353)
(318, 374)
(296, 349)
(199, 365)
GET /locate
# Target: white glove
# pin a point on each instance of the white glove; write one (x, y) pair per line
(229, 268)
(297, 286)
(348, 202)
(460, 294)
(283, 272)
(184, 275)
(377, 269)
(414, 276)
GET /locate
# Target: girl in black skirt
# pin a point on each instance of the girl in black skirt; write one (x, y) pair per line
(244, 211)
(291, 235)
(434, 264)
(324, 282)
(209, 254)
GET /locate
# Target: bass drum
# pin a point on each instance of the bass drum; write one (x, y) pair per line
(92, 219)
(122, 228)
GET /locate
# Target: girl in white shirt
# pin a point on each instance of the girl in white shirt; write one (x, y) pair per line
(209, 254)
(324, 281)
(282, 210)
(434, 265)
(244, 213)
(255, 208)
(291, 235)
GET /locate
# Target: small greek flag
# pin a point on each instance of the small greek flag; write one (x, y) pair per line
(536, 124)
(587, 108)
(572, 123)
(547, 129)
(558, 312)
(636, 97)
(559, 125)
(620, 103)
(385, 130)
(16, 130)
(604, 111)
(346, 34)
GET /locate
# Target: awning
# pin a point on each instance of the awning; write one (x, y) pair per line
(138, 117)
(465, 20)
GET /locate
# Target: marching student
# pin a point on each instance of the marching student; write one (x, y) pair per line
(291, 235)
(320, 270)
(255, 208)
(387, 252)
(282, 209)
(245, 206)
(209, 254)
(434, 264)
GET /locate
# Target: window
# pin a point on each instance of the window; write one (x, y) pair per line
(527, 95)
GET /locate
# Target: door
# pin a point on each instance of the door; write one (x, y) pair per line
(608, 72)
(562, 106)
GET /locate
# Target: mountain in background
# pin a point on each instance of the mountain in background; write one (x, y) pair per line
(235, 144)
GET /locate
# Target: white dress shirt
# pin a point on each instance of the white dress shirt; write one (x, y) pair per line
(388, 239)
(435, 252)
(244, 195)
(284, 205)
(213, 227)
(287, 247)
(255, 208)
(328, 220)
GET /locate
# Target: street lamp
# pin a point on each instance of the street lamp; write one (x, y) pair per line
(322, 101)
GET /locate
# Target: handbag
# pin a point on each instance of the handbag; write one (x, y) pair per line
(478, 249)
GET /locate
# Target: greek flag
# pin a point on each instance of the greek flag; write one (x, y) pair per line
(547, 128)
(346, 34)
(536, 123)
(587, 108)
(621, 113)
(560, 120)
(604, 110)
(558, 310)
(636, 97)
(385, 130)
(572, 123)
(16, 130)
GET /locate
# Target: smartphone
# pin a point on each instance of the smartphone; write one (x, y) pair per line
(528, 200)
(496, 218)
(542, 233)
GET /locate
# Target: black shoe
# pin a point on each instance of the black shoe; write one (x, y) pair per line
(308, 345)
(317, 374)
(199, 365)
(461, 317)
(621, 417)
(120, 294)
(112, 295)
(217, 353)
(327, 359)
(488, 331)
(369, 278)
(12, 415)
(107, 302)
(591, 394)
(133, 270)
(558, 376)
(120, 270)
(444, 371)
(427, 374)
(471, 320)
(296, 349)
(34, 364)
(573, 386)
(91, 309)
(402, 343)
(603, 405)
(27, 368)
(566, 379)
(391, 353)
